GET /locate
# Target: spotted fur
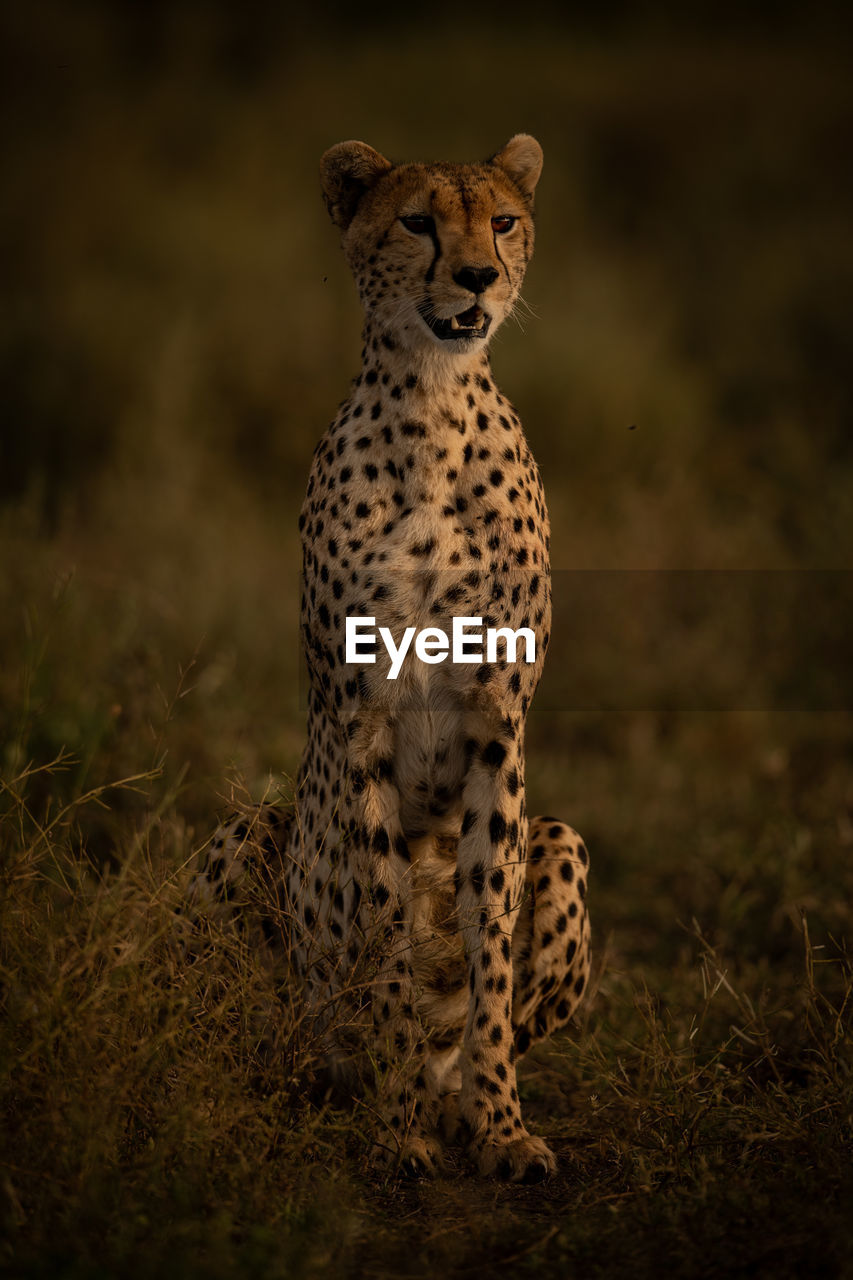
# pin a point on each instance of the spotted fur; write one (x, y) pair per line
(408, 860)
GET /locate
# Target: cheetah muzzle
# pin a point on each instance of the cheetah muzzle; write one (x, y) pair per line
(437, 931)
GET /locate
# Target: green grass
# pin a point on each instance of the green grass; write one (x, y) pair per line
(177, 329)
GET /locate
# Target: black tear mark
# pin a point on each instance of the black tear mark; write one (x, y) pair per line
(436, 243)
(500, 259)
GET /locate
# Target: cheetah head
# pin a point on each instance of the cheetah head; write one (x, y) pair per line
(438, 251)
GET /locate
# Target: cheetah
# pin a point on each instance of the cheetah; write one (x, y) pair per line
(414, 885)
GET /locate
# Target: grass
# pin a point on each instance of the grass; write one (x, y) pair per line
(701, 1108)
(177, 330)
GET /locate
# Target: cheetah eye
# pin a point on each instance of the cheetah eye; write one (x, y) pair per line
(420, 224)
(503, 223)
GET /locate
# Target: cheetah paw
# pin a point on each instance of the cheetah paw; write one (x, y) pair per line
(525, 1160)
(416, 1156)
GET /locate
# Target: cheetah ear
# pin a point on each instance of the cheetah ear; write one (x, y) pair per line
(521, 160)
(347, 170)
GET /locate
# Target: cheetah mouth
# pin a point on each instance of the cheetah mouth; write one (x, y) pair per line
(473, 323)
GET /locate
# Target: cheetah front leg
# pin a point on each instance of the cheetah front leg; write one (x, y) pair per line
(489, 885)
(409, 1105)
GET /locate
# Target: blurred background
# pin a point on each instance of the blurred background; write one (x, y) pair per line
(178, 326)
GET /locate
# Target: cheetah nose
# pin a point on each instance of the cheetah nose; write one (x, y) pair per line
(477, 279)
